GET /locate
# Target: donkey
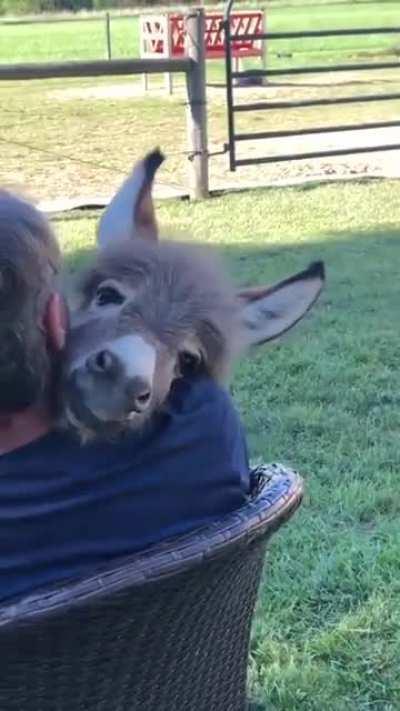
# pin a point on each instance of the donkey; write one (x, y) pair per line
(151, 312)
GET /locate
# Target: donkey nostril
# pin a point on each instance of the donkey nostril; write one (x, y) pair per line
(143, 398)
(139, 395)
(102, 359)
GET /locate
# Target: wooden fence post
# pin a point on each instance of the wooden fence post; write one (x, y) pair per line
(197, 105)
(108, 34)
(168, 79)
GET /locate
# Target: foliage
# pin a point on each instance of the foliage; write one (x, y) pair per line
(31, 7)
(28, 7)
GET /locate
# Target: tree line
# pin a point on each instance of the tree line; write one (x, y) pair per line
(27, 7)
(33, 7)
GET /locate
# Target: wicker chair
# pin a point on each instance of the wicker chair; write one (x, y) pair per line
(165, 630)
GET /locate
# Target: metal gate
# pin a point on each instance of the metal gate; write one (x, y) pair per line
(233, 109)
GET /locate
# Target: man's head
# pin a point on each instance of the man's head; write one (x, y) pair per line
(32, 316)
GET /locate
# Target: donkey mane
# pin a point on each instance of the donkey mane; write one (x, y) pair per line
(190, 295)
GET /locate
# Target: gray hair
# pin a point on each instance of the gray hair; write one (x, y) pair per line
(29, 263)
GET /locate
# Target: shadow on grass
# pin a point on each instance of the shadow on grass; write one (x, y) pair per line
(358, 253)
(361, 266)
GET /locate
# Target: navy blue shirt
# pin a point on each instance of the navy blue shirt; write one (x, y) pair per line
(66, 509)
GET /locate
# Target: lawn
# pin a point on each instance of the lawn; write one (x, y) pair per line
(77, 138)
(86, 40)
(326, 401)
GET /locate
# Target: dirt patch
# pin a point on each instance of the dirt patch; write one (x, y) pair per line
(76, 140)
(374, 164)
(121, 91)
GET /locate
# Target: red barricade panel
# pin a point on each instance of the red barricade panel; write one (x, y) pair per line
(241, 24)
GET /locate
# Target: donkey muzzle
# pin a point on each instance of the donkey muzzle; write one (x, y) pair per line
(108, 369)
(101, 390)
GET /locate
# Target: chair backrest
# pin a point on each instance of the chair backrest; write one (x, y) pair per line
(166, 630)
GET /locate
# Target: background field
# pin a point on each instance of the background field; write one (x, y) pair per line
(325, 400)
(86, 40)
(110, 121)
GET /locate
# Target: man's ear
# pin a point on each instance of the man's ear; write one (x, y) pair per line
(268, 312)
(130, 213)
(56, 322)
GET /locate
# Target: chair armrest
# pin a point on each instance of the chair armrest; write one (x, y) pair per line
(279, 489)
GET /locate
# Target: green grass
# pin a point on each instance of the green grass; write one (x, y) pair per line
(86, 40)
(327, 401)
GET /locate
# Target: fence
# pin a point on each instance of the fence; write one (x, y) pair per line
(233, 108)
(192, 65)
(94, 17)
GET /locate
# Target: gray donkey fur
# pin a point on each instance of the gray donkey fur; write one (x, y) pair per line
(150, 312)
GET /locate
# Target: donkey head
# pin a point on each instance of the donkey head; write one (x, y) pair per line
(150, 312)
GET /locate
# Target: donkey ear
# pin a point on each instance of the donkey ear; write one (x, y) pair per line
(268, 312)
(130, 213)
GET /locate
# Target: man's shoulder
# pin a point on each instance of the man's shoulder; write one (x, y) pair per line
(198, 410)
(198, 394)
(200, 404)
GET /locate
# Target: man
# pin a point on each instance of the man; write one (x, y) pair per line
(66, 509)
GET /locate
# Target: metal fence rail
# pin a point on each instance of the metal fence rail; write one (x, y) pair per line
(316, 70)
(92, 68)
(315, 130)
(322, 33)
(315, 154)
(233, 109)
(304, 103)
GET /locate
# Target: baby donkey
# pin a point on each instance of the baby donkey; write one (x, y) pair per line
(150, 312)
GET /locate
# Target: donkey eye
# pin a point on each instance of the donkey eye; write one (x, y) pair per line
(189, 362)
(108, 295)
